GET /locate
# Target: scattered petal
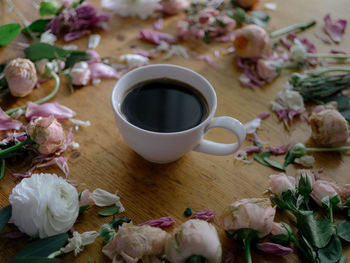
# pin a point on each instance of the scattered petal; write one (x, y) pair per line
(94, 40)
(155, 37)
(274, 249)
(6, 123)
(334, 29)
(160, 222)
(104, 198)
(59, 111)
(206, 215)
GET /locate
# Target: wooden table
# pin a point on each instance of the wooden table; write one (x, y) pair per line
(200, 181)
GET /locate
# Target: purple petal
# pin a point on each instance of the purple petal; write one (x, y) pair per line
(155, 37)
(54, 25)
(249, 150)
(274, 249)
(160, 222)
(6, 123)
(59, 111)
(285, 42)
(75, 35)
(158, 24)
(95, 57)
(279, 150)
(206, 215)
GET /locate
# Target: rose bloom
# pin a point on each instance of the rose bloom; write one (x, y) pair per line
(44, 205)
(305, 173)
(21, 76)
(329, 128)
(194, 237)
(253, 213)
(280, 183)
(47, 132)
(132, 243)
(322, 189)
(251, 41)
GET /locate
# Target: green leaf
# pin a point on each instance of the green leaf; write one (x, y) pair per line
(118, 221)
(43, 247)
(8, 33)
(34, 260)
(2, 168)
(346, 114)
(342, 260)
(38, 26)
(83, 208)
(39, 51)
(347, 202)
(273, 163)
(288, 159)
(343, 230)
(307, 251)
(304, 186)
(332, 252)
(342, 101)
(280, 239)
(5, 215)
(109, 211)
(76, 56)
(196, 259)
(48, 8)
(260, 157)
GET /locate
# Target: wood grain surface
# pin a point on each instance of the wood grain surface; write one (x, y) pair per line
(197, 180)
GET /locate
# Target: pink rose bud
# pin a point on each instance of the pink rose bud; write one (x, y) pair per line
(280, 183)
(253, 213)
(21, 76)
(329, 128)
(80, 74)
(278, 229)
(322, 189)
(251, 41)
(172, 7)
(306, 174)
(48, 133)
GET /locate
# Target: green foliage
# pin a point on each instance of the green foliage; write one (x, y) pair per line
(332, 252)
(8, 33)
(39, 51)
(196, 259)
(343, 230)
(109, 211)
(38, 26)
(5, 215)
(48, 8)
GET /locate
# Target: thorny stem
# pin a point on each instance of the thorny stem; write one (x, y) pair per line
(290, 28)
(42, 100)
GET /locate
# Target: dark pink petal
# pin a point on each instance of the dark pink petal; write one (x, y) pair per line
(59, 111)
(26, 174)
(54, 25)
(292, 114)
(6, 123)
(286, 43)
(75, 35)
(206, 58)
(102, 71)
(334, 29)
(263, 115)
(292, 36)
(158, 24)
(156, 37)
(160, 222)
(274, 249)
(279, 150)
(310, 49)
(95, 57)
(206, 215)
(257, 139)
(61, 162)
(333, 51)
(249, 150)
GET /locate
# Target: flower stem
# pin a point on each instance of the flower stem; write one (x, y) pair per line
(2, 169)
(42, 100)
(302, 26)
(330, 70)
(247, 245)
(327, 55)
(15, 147)
(55, 254)
(335, 149)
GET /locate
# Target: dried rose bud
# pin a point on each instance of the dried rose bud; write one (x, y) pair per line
(21, 76)
(329, 128)
(251, 41)
(48, 133)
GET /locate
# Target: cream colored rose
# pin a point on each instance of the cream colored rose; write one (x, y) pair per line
(44, 205)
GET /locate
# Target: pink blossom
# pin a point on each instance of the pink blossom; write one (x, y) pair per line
(334, 29)
(100, 70)
(253, 213)
(279, 150)
(322, 189)
(80, 73)
(59, 111)
(274, 249)
(278, 229)
(306, 174)
(6, 123)
(155, 37)
(172, 7)
(47, 132)
(329, 128)
(206, 215)
(280, 183)
(207, 58)
(85, 198)
(160, 222)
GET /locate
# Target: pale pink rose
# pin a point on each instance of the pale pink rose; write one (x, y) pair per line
(85, 198)
(251, 41)
(48, 133)
(253, 213)
(20, 74)
(322, 189)
(267, 69)
(280, 183)
(172, 7)
(329, 128)
(278, 229)
(245, 3)
(80, 74)
(305, 173)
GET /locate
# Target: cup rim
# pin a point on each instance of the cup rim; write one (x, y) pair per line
(204, 122)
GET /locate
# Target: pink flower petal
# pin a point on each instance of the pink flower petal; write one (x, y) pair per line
(61, 162)
(158, 24)
(334, 29)
(279, 150)
(59, 111)
(263, 115)
(274, 249)
(103, 71)
(95, 57)
(206, 215)
(6, 123)
(11, 137)
(85, 198)
(156, 37)
(207, 58)
(160, 222)
(75, 35)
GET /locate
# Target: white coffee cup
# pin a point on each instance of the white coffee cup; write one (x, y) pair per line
(161, 147)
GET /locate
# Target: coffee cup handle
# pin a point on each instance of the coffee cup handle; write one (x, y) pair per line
(214, 148)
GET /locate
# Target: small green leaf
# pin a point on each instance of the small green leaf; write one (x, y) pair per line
(288, 159)
(332, 252)
(188, 211)
(260, 157)
(308, 252)
(347, 202)
(343, 230)
(39, 51)
(34, 260)
(43, 247)
(109, 211)
(76, 56)
(273, 163)
(5, 215)
(118, 221)
(83, 208)
(8, 33)
(196, 259)
(346, 114)
(38, 26)
(48, 8)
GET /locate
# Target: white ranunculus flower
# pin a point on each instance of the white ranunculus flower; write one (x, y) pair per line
(104, 198)
(44, 205)
(194, 237)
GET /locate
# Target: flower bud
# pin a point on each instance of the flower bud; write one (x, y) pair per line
(48, 133)
(322, 189)
(298, 52)
(299, 150)
(251, 41)
(280, 183)
(329, 128)
(278, 229)
(21, 76)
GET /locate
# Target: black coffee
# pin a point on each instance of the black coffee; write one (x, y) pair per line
(164, 105)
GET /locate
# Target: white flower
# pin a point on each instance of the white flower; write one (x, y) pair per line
(298, 52)
(80, 73)
(44, 205)
(290, 99)
(48, 37)
(94, 40)
(306, 160)
(194, 237)
(176, 50)
(252, 125)
(78, 241)
(104, 198)
(133, 8)
(134, 60)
